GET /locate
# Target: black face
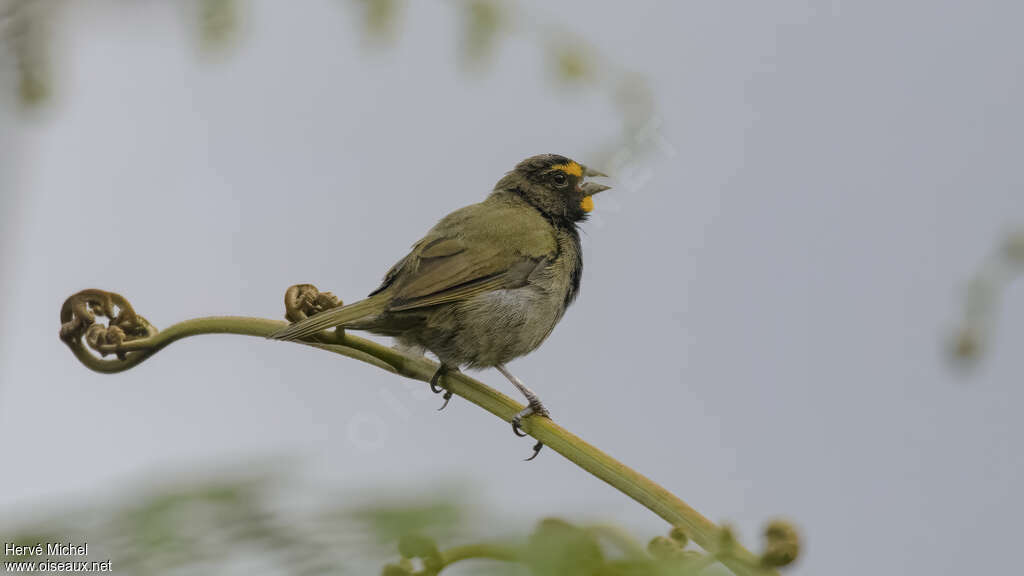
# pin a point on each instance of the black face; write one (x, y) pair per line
(551, 183)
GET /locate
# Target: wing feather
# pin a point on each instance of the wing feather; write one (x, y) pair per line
(459, 259)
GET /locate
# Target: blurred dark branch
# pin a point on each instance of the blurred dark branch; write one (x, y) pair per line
(131, 339)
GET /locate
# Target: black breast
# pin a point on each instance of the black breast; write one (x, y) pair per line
(572, 252)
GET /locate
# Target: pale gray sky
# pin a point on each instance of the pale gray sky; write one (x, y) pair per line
(760, 327)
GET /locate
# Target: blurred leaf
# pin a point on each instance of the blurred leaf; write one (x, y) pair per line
(218, 23)
(24, 25)
(558, 548)
(984, 292)
(1014, 247)
(573, 62)
(482, 20)
(380, 18)
(390, 523)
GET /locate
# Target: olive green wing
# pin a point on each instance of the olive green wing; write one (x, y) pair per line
(471, 252)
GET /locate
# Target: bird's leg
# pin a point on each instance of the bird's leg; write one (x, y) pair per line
(533, 406)
(435, 380)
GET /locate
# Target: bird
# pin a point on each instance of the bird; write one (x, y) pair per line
(488, 283)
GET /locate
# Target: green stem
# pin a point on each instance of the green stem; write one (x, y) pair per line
(484, 550)
(631, 483)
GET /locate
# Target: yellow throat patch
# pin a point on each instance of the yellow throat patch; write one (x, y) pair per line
(587, 204)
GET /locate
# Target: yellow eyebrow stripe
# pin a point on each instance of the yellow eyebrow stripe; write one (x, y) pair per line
(570, 168)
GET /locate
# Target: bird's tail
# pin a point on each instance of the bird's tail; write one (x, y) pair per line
(331, 318)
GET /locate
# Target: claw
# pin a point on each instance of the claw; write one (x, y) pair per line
(516, 429)
(436, 388)
(447, 397)
(434, 380)
(536, 450)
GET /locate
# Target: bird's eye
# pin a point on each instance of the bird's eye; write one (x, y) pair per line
(560, 179)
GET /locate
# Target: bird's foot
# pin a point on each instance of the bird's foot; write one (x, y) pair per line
(437, 389)
(534, 408)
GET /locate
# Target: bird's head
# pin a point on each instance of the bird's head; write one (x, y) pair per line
(554, 185)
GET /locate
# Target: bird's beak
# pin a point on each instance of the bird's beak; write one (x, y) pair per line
(591, 188)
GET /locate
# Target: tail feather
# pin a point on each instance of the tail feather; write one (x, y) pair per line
(329, 319)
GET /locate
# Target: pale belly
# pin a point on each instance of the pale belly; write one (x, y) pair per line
(494, 328)
(498, 326)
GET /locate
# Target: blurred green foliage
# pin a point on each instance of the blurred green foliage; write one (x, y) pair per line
(483, 20)
(218, 23)
(24, 25)
(255, 525)
(380, 17)
(984, 292)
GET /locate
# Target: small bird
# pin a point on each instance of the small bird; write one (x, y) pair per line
(488, 283)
